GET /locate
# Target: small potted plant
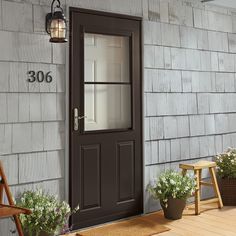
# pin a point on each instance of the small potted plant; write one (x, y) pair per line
(226, 171)
(49, 215)
(173, 189)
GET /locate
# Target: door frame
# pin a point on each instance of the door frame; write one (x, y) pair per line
(69, 89)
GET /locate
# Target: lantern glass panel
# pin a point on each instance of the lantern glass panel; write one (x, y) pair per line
(58, 28)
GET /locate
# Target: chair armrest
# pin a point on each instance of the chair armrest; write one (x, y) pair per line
(24, 210)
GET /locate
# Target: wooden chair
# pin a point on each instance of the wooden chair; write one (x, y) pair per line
(197, 168)
(10, 210)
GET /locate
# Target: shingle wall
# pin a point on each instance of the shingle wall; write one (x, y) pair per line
(32, 115)
(189, 88)
(190, 85)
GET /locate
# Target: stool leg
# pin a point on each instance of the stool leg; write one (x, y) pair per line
(215, 186)
(184, 172)
(197, 193)
(200, 186)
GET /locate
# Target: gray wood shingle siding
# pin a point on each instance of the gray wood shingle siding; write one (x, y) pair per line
(189, 89)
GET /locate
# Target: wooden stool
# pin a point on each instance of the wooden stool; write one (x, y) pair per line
(197, 168)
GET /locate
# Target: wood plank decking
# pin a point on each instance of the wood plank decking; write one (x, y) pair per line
(211, 222)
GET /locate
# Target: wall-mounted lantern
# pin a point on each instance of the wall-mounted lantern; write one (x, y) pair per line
(56, 23)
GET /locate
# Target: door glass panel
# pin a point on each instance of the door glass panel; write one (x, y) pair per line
(107, 103)
(107, 107)
(106, 58)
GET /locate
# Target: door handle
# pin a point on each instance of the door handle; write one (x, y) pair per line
(77, 118)
(82, 117)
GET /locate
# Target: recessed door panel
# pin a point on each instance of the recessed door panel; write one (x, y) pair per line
(125, 171)
(105, 111)
(90, 176)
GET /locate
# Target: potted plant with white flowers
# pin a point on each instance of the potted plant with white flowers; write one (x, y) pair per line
(49, 215)
(173, 189)
(226, 171)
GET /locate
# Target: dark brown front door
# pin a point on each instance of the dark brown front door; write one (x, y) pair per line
(106, 114)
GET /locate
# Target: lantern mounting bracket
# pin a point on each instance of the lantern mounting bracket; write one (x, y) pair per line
(57, 6)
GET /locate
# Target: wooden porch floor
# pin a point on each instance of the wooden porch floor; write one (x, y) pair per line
(211, 222)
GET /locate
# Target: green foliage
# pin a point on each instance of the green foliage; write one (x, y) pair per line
(172, 184)
(226, 164)
(49, 215)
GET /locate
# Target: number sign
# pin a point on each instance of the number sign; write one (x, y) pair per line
(39, 76)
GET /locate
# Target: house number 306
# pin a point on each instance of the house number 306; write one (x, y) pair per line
(39, 76)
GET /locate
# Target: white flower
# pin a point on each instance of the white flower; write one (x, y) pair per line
(164, 179)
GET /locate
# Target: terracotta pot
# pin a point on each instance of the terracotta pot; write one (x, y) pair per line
(174, 209)
(228, 191)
